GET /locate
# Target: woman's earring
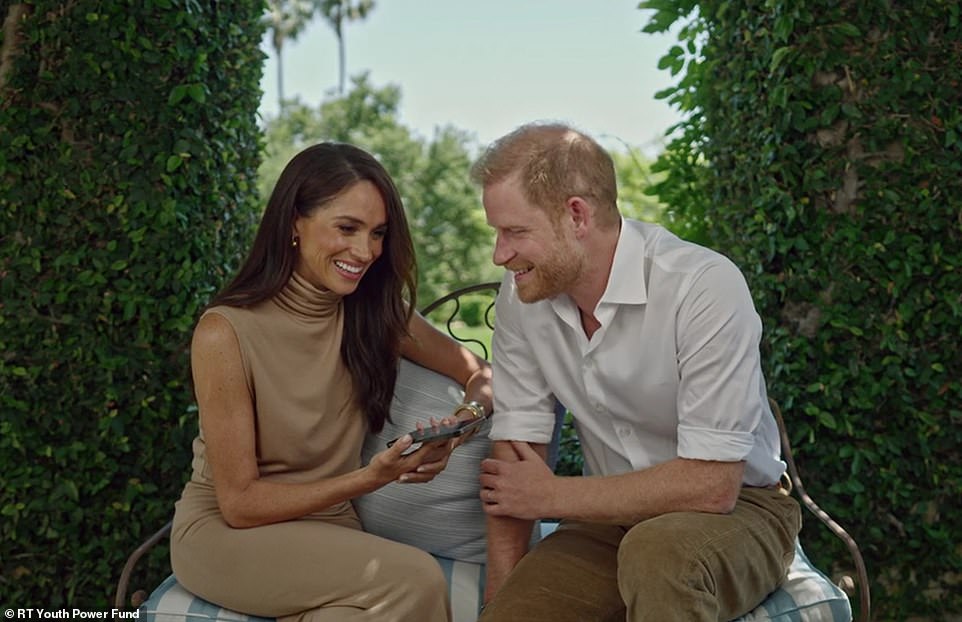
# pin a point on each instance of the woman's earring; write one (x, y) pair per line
(295, 241)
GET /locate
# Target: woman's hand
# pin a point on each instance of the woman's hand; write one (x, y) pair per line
(417, 467)
(460, 415)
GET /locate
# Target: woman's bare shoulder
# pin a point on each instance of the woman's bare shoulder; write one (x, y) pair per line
(214, 331)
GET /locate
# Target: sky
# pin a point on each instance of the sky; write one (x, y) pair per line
(487, 66)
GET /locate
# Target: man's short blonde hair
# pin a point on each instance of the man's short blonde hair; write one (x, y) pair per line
(554, 162)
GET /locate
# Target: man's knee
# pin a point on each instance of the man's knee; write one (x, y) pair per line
(656, 556)
(568, 576)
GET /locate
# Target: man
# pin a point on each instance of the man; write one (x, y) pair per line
(652, 343)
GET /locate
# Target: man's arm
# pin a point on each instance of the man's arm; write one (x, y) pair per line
(678, 485)
(508, 537)
(523, 487)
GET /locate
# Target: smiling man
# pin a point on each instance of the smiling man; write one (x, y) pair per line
(652, 343)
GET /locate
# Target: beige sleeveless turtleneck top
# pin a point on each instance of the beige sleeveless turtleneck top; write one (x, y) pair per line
(307, 423)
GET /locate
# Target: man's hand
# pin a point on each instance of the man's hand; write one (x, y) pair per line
(521, 489)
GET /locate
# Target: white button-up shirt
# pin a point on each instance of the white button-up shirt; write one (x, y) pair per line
(673, 371)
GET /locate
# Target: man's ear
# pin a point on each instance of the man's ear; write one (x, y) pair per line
(579, 210)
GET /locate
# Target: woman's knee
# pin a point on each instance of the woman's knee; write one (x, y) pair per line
(418, 570)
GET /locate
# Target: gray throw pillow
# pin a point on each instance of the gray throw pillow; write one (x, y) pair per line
(443, 517)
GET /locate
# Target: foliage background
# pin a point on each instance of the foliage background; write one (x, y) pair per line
(823, 152)
(128, 152)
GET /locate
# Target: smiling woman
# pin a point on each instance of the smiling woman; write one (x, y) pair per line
(339, 243)
(293, 364)
(321, 184)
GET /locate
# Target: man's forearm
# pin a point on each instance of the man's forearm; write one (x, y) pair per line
(673, 486)
(508, 537)
(508, 540)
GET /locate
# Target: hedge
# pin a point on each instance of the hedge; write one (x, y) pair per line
(822, 150)
(128, 151)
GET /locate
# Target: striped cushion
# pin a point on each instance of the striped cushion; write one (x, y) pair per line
(806, 596)
(170, 602)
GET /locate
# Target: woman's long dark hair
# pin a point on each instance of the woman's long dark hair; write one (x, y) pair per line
(375, 314)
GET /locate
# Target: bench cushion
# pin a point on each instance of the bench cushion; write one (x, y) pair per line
(170, 602)
(806, 596)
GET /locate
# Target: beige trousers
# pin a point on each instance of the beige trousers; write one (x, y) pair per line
(679, 567)
(318, 570)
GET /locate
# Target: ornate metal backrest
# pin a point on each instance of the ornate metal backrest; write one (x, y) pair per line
(451, 309)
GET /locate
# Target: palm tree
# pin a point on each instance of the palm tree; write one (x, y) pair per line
(286, 19)
(336, 12)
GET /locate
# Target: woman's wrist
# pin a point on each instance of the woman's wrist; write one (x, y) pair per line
(477, 389)
(477, 409)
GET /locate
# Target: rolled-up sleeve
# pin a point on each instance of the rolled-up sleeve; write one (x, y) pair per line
(720, 393)
(523, 403)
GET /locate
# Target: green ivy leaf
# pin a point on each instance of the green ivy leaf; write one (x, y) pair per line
(177, 93)
(778, 57)
(197, 93)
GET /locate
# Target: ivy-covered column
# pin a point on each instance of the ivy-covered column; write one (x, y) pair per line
(823, 153)
(128, 149)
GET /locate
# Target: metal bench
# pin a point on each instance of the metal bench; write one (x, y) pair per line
(449, 311)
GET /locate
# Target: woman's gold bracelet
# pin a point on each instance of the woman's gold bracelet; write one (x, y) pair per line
(475, 408)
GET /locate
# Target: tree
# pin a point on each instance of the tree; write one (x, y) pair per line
(452, 241)
(128, 149)
(635, 178)
(822, 150)
(336, 12)
(285, 19)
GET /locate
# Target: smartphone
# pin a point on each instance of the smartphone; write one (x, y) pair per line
(439, 433)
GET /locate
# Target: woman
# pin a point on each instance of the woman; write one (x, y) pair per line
(292, 364)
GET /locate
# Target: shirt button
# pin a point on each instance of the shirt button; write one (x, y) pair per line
(623, 432)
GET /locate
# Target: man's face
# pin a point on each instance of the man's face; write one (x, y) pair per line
(543, 255)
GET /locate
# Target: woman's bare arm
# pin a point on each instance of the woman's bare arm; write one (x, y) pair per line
(227, 420)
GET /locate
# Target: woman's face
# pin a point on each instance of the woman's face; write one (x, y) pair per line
(341, 239)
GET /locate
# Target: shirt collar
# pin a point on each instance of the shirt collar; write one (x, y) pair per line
(626, 283)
